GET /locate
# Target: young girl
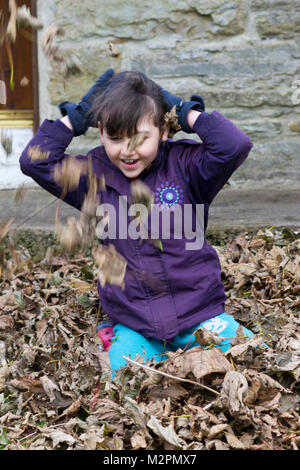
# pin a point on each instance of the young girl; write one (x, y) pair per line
(170, 290)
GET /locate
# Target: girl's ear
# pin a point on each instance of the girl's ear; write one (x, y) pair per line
(165, 133)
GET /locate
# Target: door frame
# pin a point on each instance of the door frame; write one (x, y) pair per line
(11, 118)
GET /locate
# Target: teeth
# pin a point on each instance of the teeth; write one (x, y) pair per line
(129, 161)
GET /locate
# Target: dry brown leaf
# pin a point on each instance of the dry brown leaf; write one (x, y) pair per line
(78, 285)
(7, 299)
(4, 369)
(240, 350)
(51, 51)
(142, 194)
(4, 227)
(4, 373)
(2, 92)
(171, 120)
(36, 153)
(49, 387)
(239, 337)
(136, 141)
(24, 18)
(217, 430)
(234, 390)
(58, 436)
(234, 442)
(166, 433)
(93, 438)
(138, 440)
(262, 388)
(114, 51)
(11, 29)
(207, 338)
(71, 235)
(204, 362)
(199, 361)
(7, 141)
(72, 409)
(112, 265)
(19, 194)
(6, 322)
(108, 410)
(28, 383)
(24, 82)
(67, 173)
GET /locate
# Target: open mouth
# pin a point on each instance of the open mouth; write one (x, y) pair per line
(129, 163)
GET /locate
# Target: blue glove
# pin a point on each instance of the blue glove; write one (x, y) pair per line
(78, 112)
(183, 107)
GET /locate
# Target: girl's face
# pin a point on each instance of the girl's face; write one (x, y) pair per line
(133, 162)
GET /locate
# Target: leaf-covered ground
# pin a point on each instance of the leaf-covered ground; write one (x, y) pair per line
(53, 394)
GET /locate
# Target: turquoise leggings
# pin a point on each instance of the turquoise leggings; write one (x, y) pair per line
(127, 342)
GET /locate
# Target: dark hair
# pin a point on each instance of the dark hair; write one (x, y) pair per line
(128, 97)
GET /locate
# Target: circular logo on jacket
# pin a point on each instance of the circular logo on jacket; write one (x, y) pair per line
(168, 195)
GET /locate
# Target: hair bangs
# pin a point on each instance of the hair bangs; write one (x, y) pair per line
(129, 98)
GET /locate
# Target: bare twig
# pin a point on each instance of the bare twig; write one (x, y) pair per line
(172, 376)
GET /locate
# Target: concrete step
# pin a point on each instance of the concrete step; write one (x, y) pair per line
(232, 209)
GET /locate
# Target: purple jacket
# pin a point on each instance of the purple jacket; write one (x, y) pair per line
(170, 290)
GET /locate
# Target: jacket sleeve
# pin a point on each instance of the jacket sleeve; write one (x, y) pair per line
(210, 164)
(52, 139)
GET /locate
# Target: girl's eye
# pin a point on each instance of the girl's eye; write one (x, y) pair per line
(114, 139)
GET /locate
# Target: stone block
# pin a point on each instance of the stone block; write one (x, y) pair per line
(277, 18)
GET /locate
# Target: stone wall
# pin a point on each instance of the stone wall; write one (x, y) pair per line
(242, 56)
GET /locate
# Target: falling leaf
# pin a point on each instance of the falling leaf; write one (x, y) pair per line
(4, 227)
(11, 29)
(67, 173)
(24, 82)
(24, 18)
(51, 51)
(112, 265)
(136, 141)
(142, 194)
(2, 92)
(6, 142)
(114, 51)
(36, 153)
(19, 194)
(70, 236)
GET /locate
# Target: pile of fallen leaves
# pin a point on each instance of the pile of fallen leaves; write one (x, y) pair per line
(53, 394)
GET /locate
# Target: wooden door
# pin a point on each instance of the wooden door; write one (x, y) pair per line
(21, 107)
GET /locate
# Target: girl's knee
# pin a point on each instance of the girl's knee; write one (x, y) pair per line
(226, 327)
(128, 343)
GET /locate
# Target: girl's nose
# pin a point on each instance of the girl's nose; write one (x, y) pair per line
(125, 150)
